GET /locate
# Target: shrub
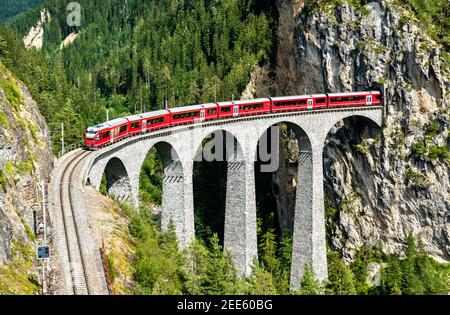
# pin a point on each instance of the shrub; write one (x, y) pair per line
(3, 181)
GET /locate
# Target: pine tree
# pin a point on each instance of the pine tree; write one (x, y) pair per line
(197, 262)
(261, 282)
(268, 250)
(411, 282)
(391, 277)
(220, 275)
(309, 285)
(341, 279)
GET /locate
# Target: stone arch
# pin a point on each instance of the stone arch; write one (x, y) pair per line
(225, 142)
(173, 188)
(307, 247)
(239, 201)
(118, 184)
(269, 137)
(356, 120)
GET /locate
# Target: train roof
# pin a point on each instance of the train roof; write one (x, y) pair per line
(133, 118)
(243, 102)
(109, 124)
(155, 113)
(192, 107)
(353, 93)
(297, 97)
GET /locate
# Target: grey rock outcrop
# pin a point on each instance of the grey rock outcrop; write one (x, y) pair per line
(385, 183)
(25, 159)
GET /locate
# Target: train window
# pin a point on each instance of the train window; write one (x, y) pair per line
(356, 98)
(135, 125)
(225, 109)
(186, 115)
(155, 121)
(321, 100)
(251, 107)
(123, 129)
(212, 111)
(291, 103)
(106, 135)
(348, 99)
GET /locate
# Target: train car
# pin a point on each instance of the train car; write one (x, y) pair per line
(244, 108)
(193, 114)
(155, 120)
(354, 99)
(134, 125)
(299, 102)
(109, 132)
(106, 133)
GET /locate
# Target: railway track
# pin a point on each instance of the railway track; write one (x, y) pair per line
(79, 273)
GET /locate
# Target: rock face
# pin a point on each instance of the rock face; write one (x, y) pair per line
(35, 37)
(384, 184)
(25, 159)
(68, 40)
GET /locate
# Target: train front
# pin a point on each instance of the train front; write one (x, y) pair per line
(91, 137)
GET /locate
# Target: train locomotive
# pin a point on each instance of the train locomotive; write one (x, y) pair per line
(107, 133)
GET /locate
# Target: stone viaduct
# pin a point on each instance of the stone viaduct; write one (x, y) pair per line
(180, 146)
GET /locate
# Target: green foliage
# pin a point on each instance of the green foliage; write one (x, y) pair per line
(134, 55)
(11, 91)
(275, 253)
(419, 273)
(341, 280)
(433, 16)
(151, 179)
(439, 153)
(162, 268)
(331, 217)
(111, 266)
(3, 180)
(309, 285)
(9, 8)
(3, 120)
(433, 129)
(104, 186)
(16, 277)
(362, 148)
(261, 282)
(426, 152)
(392, 276)
(220, 274)
(157, 262)
(419, 149)
(417, 178)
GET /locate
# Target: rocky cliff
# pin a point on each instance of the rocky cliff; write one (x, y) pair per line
(380, 184)
(25, 159)
(35, 37)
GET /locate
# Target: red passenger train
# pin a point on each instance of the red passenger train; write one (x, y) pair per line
(112, 131)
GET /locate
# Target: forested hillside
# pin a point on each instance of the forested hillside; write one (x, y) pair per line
(9, 8)
(131, 56)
